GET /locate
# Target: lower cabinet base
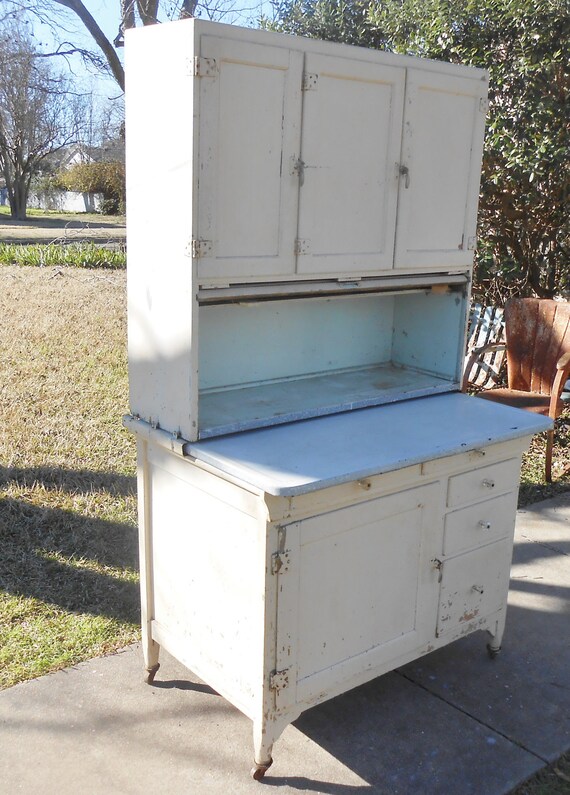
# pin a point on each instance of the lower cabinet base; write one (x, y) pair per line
(282, 603)
(268, 728)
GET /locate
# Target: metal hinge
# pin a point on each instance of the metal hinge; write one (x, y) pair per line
(471, 243)
(302, 246)
(279, 679)
(310, 81)
(484, 105)
(203, 67)
(199, 248)
(280, 562)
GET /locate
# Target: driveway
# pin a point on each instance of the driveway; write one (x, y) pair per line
(64, 228)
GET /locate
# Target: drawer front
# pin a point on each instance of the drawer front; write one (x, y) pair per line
(479, 524)
(473, 586)
(483, 483)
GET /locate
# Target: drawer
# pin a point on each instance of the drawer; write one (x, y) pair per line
(482, 483)
(473, 587)
(460, 462)
(479, 524)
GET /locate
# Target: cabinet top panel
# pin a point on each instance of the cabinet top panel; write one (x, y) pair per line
(197, 27)
(294, 459)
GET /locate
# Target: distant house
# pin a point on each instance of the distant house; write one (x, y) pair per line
(65, 158)
(112, 151)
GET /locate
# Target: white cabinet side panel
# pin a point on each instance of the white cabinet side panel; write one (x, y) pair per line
(444, 120)
(352, 115)
(250, 113)
(208, 561)
(159, 118)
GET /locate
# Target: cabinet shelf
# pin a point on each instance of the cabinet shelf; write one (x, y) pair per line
(257, 406)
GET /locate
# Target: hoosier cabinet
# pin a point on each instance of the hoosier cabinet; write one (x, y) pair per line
(318, 503)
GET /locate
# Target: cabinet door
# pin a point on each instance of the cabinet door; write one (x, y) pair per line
(360, 589)
(352, 116)
(473, 587)
(250, 114)
(442, 144)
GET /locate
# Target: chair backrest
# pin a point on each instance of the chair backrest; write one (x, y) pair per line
(538, 334)
(485, 325)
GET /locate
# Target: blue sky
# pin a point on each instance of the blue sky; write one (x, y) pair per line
(106, 12)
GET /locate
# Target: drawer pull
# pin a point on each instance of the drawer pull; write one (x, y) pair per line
(478, 588)
(489, 484)
(484, 525)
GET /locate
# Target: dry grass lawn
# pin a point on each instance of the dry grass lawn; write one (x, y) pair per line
(68, 570)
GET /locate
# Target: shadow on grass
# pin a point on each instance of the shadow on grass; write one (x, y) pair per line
(55, 222)
(76, 562)
(73, 481)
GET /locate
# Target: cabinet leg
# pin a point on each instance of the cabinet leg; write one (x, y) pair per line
(494, 645)
(151, 650)
(263, 739)
(265, 733)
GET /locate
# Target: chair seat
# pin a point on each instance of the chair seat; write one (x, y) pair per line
(530, 401)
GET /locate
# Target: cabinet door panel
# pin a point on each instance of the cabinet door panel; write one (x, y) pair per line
(360, 590)
(352, 115)
(442, 144)
(474, 586)
(250, 113)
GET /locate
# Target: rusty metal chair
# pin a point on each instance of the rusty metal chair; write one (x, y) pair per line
(537, 346)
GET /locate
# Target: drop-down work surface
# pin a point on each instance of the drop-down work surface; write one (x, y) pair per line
(304, 456)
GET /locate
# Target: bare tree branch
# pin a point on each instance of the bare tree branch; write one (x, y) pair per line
(101, 40)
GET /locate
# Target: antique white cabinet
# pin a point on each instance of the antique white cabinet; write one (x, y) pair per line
(317, 501)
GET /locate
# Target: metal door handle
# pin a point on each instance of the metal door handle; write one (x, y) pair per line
(484, 525)
(405, 172)
(478, 588)
(489, 484)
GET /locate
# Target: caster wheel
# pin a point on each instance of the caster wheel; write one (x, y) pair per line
(258, 771)
(150, 673)
(493, 652)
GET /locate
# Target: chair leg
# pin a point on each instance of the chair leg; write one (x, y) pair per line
(548, 463)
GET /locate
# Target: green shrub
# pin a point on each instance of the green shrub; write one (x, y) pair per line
(105, 178)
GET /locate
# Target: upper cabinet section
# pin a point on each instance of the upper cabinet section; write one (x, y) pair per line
(309, 159)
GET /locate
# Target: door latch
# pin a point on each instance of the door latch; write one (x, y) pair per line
(438, 565)
(298, 170)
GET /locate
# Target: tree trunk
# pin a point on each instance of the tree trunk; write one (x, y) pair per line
(18, 198)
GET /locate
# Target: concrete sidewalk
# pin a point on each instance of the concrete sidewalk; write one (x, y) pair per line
(453, 722)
